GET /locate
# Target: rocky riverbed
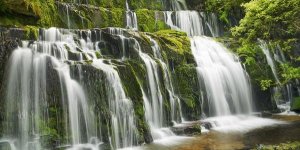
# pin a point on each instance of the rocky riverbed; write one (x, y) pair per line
(271, 135)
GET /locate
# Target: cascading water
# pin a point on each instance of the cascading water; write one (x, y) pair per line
(154, 99)
(226, 83)
(221, 75)
(282, 94)
(263, 45)
(123, 118)
(174, 100)
(178, 5)
(193, 23)
(131, 18)
(29, 67)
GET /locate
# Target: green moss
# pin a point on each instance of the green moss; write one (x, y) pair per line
(175, 46)
(117, 17)
(147, 21)
(15, 20)
(296, 104)
(45, 10)
(175, 40)
(132, 87)
(148, 4)
(31, 32)
(50, 135)
(104, 17)
(186, 83)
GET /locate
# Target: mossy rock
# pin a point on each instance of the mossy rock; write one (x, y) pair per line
(175, 46)
(187, 86)
(295, 106)
(31, 32)
(132, 88)
(150, 20)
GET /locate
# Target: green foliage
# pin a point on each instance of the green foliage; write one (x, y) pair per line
(289, 72)
(265, 84)
(175, 40)
(46, 10)
(175, 46)
(2, 7)
(50, 135)
(31, 32)
(269, 19)
(147, 21)
(224, 8)
(117, 17)
(148, 4)
(276, 21)
(255, 64)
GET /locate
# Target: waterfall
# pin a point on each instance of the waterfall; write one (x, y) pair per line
(282, 95)
(119, 32)
(123, 118)
(193, 23)
(131, 18)
(28, 67)
(154, 101)
(174, 100)
(225, 81)
(28, 85)
(263, 45)
(178, 5)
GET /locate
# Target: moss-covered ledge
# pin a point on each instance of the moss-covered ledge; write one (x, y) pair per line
(63, 14)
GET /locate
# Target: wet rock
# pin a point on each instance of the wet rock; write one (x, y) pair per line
(188, 129)
(266, 114)
(295, 106)
(9, 40)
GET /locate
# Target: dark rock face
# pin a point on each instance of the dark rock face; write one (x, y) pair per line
(9, 40)
(198, 5)
(263, 99)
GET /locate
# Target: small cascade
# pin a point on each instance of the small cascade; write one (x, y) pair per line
(279, 56)
(68, 15)
(212, 23)
(153, 99)
(119, 32)
(263, 45)
(193, 22)
(155, 95)
(28, 67)
(178, 5)
(226, 83)
(28, 86)
(174, 100)
(7, 145)
(282, 95)
(123, 118)
(131, 18)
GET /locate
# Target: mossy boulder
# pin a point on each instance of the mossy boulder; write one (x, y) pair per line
(295, 106)
(175, 46)
(187, 85)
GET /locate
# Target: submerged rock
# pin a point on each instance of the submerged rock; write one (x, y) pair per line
(188, 129)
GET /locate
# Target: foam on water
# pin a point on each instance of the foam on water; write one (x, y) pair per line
(163, 144)
(240, 123)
